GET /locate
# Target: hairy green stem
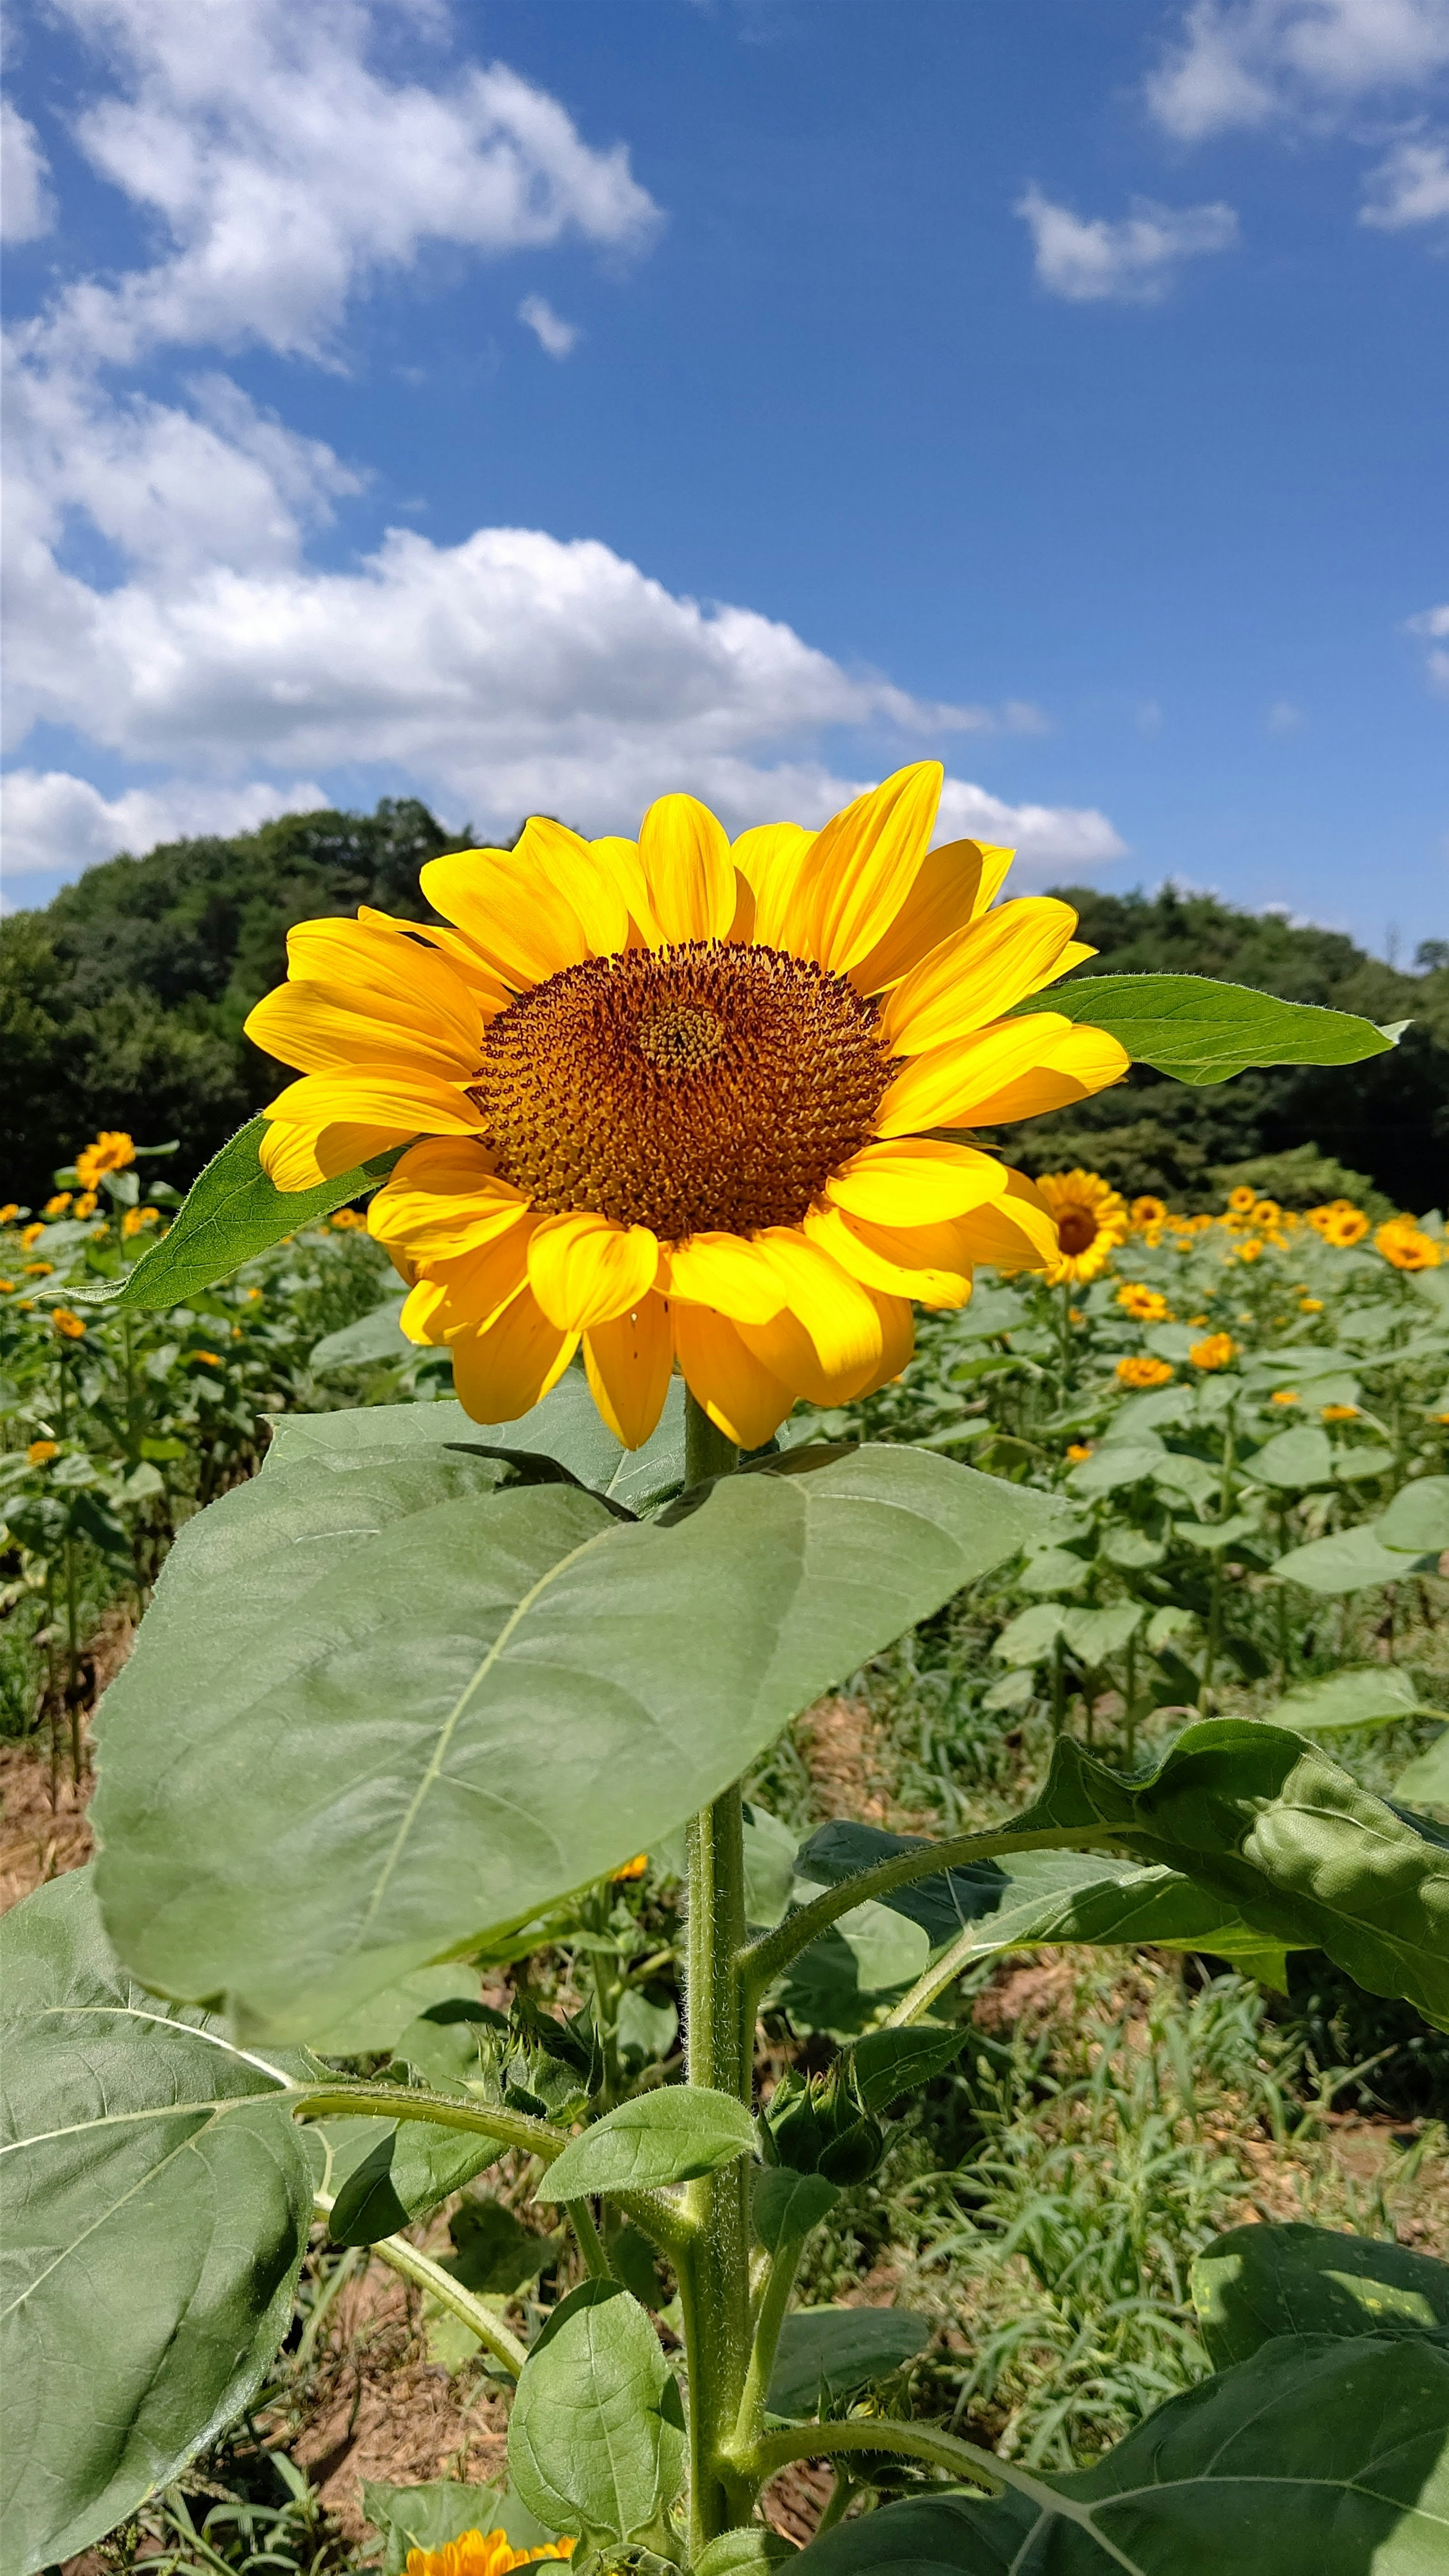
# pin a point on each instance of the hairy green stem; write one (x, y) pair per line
(774, 2451)
(770, 2316)
(480, 2321)
(764, 1960)
(591, 2244)
(444, 2110)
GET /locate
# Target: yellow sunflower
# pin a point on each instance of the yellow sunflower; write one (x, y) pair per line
(685, 1101)
(482, 2553)
(111, 1152)
(1140, 1369)
(1145, 1305)
(1405, 1244)
(1091, 1221)
(1148, 1211)
(1344, 1226)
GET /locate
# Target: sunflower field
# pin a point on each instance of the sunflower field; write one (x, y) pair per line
(795, 1789)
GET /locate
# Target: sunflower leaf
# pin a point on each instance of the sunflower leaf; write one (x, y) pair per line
(462, 1703)
(230, 1213)
(1202, 1031)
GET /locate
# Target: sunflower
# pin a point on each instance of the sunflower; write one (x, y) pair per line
(1406, 1245)
(687, 1102)
(1218, 1351)
(1139, 1369)
(1144, 1305)
(1242, 1201)
(111, 1152)
(482, 2553)
(1148, 1211)
(1091, 1222)
(1344, 1225)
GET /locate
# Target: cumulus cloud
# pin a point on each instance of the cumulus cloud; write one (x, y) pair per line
(1134, 261)
(1247, 62)
(549, 328)
(1434, 623)
(1410, 186)
(25, 202)
(287, 171)
(56, 824)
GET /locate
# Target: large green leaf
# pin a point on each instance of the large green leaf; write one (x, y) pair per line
(230, 1213)
(1315, 2458)
(405, 2173)
(1258, 2282)
(566, 1428)
(1426, 1780)
(672, 2135)
(373, 1717)
(596, 2437)
(378, 1336)
(157, 2204)
(1295, 1460)
(1201, 1031)
(888, 2063)
(1378, 1695)
(825, 2354)
(1283, 1838)
(1348, 1560)
(1418, 1517)
(866, 1959)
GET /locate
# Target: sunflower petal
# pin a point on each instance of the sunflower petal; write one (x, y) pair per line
(509, 1367)
(914, 1180)
(298, 1157)
(831, 1309)
(743, 1398)
(588, 878)
(976, 976)
(953, 886)
(944, 1087)
(483, 981)
(621, 859)
(324, 1032)
(931, 1262)
(1082, 1060)
(409, 1104)
(1018, 1233)
(441, 1200)
(399, 978)
(475, 1285)
(688, 865)
(509, 904)
(860, 868)
(1075, 953)
(898, 1341)
(771, 857)
(629, 1362)
(584, 1269)
(727, 1272)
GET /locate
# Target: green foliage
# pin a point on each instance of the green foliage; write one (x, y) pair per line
(1202, 1030)
(429, 2516)
(1258, 2282)
(596, 2436)
(660, 2138)
(826, 2355)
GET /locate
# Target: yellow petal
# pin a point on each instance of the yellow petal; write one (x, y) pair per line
(944, 1087)
(977, 975)
(621, 859)
(898, 1342)
(306, 1025)
(509, 906)
(771, 857)
(1075, 953)
(398, 978)
(743, 1398)
(832, 1311)
(953, 886)
(629, 1363)
(483, 981)
(509, 1367)
(913, 1180)
(473, 1286)
(860, 868)
(1078, 1062)
(727, 1272)
(1018, 1232)
(688, 865)
(417, 1104)
(302, 1157)
(442, 1200)
(930, 1263)
(586, 876)
(584, 1269)
(742, 923)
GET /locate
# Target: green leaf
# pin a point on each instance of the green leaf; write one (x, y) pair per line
(231, 1213)
(750, 2552)
(1031, 1635)
(428, 2517)
(378, 1336)
(1201, 1031)
(567, 1427)
(1286, 1840)
(827, 2354)
(379, 2021)
(1348, 1560)
(493, 2255)
(596, 2437)
(1295, 1460)
(1425, 1783)
(867, 1958)
(157, 2204)
(413, 2166)
(1315, 2458)
(1094, 1635)
(769, 1866)
(431, 1709)
(1113, 1465)
(674, 2134)
(1379, 1695)
(1257, 2282)
(786, 2205)
(888, 2063)
(1418, 1517)
(1052, 1571)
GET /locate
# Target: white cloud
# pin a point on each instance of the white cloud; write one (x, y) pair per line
(1246, 62)
(287, 172)
(1411, 186)
(1283, 717)
(1089, 260)
(1434, 623)
(55, 824)
(552, 332)
(25, 203)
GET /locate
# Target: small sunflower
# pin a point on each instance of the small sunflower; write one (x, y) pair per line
(1285, 1395)
(1140, 1369)
(111, 1152)
(482, 2553)
(41, 1452)
(1148, 1210)
(1242, 1201)
(1091, 1222)
(1339, 1412)
(58, 1205)
(136, 1220)
(1078, 1452)
(1217, 1352)
(1405, 1244)
(687, 1102)
(1145, 1305)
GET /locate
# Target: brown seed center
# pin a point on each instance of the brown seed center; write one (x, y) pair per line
(1077, 1230)
(709, 1085)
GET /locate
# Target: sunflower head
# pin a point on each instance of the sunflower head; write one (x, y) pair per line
(1141, 1369)
(1218, 1351)
(482, 2553)
(1242, 1201)
(1144, 1305)
(1148, 1211)
(686, 1102)
(112, 1151)
(1344, 1225)
(1404, 1243)
(1091, 1221)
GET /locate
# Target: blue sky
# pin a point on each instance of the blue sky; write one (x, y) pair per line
(551, 402)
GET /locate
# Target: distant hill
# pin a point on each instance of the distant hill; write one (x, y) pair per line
(122, 1002)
